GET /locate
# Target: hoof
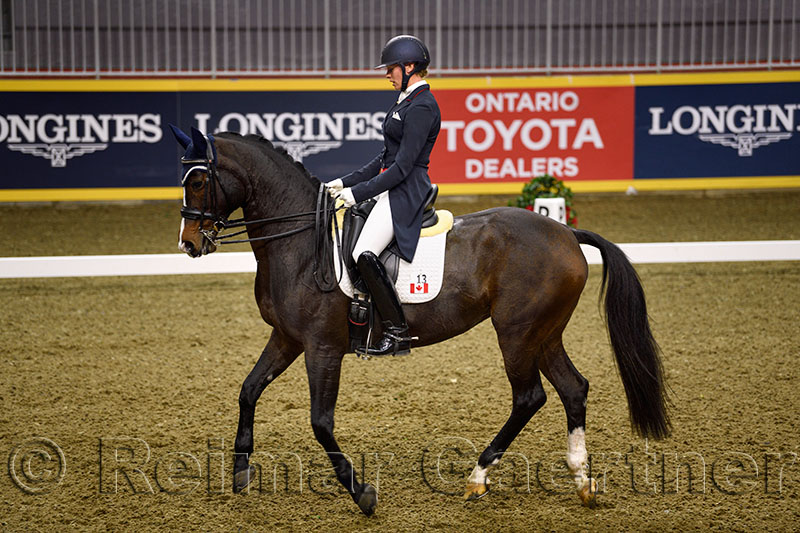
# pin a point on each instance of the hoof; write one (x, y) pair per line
(476, 491)
(368, 500)
(588, 493)
(243, 478)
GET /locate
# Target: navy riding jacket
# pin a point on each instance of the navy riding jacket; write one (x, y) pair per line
(409, 132)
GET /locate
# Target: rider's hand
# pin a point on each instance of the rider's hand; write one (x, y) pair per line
(334, 187)
(346, 196)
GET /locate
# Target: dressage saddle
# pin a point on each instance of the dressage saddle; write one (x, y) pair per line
(354, 220)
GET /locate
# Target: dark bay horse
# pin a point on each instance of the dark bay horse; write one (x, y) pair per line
(523, 271)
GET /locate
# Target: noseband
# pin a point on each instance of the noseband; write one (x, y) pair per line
(324, 217)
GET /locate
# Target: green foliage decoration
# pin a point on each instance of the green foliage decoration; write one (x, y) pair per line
(547, 187)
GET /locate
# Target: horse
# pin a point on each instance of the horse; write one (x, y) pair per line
(522, 270)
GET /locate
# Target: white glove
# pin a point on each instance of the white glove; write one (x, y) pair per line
(334, 187)
(346, 196)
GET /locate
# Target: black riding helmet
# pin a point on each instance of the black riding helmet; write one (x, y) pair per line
(402, 50)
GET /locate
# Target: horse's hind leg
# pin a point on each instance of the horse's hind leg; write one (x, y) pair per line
(276, 357)
(528, 397)
(572, 388)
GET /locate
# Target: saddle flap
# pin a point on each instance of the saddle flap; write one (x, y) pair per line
(416, 282)
(354, 219)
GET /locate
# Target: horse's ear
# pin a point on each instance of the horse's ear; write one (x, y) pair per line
(181, 137)
(199, 141)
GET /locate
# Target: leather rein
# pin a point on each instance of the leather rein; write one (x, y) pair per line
(324, 216)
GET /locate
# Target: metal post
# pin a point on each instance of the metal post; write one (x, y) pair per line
(603, 36)
(439, 51)
(758, 35)
(682, 25)
(659, 34)
(133, 38)
(237, 52)
(248, 43)
(96, 40)
(572, 36)
(13, 42)
(692, 33)
(615, 31)
(735, 58)
(189, 49)
(119, 31)
(2, 41)
(590, 31)
(167, 36)
(746, 32)
(558, 31)
(360, 56)
(213, 25)
(795, 59)
(326, 38)
(156, 35)
(36, 35)
(636, 44)
(770, 32)
(24, 38)
(145, 66)
(61, 36)
(725, 33)
(549, 37)
(260, 38)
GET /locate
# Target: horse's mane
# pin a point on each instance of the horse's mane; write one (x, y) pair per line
(266, 146)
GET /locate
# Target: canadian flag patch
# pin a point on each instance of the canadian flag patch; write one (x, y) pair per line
(419, 288)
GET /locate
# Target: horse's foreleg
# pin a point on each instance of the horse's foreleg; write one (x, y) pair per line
(276, 357)
(572, 388)
(323, 378)
(528, 397)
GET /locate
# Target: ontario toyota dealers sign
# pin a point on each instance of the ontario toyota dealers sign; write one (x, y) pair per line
(515, 135)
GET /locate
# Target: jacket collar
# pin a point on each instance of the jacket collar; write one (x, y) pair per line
(411, 90)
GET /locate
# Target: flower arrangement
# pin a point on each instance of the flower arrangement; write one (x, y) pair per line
(547, 187)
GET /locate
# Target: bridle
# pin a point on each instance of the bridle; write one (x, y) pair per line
(324, 217)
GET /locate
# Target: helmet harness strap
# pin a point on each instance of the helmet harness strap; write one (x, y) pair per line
(407, 75)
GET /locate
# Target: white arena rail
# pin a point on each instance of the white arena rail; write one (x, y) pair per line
(236, 262)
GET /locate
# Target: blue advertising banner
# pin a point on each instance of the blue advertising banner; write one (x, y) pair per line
(76, 139)
(717, 130)
(331, 133)
(120, 139)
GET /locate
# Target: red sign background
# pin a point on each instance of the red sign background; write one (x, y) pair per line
(515, 134)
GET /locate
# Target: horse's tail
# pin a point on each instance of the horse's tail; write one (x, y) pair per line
(635, 349)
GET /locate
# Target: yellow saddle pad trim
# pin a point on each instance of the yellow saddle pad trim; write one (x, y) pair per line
(445, 223)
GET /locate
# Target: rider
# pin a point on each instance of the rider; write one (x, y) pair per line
(398, 179)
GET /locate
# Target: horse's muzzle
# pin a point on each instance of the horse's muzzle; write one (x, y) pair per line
(189, 248)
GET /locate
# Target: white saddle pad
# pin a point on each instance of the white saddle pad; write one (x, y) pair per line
(419, 281)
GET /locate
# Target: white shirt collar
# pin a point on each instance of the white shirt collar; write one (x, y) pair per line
(404, 94)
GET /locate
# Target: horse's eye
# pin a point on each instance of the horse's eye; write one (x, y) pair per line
(197, 185)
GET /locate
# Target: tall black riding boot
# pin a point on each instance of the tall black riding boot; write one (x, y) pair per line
(395, 340)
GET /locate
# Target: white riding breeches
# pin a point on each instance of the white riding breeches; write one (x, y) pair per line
(378, 230)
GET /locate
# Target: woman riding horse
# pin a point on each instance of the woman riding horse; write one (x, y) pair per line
(398, 179)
